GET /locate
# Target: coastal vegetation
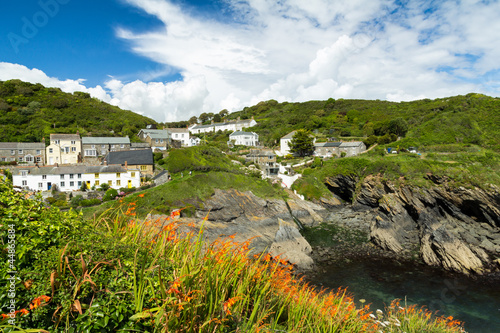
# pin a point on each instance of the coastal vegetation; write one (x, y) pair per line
(120, 273)
(30, 112)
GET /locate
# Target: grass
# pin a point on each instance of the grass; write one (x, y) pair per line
(190, 191)
(463, 165)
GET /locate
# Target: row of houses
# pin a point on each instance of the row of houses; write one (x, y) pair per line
(230, 125)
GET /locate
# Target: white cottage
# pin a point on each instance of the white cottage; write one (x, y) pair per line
(70, 178)
(244, 138)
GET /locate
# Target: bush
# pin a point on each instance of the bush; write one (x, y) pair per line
(110, 194)
(75, 201)
(104, 186)
(126, 190)
(90, 202)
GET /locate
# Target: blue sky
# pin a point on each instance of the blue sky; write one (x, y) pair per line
(171, 59)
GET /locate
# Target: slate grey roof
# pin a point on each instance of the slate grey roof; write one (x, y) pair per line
(235, 133)
(352, 144)
(56, 136)
(101, 140)
(132, 157)
(59, 170)
(165, 135)
(143, 145)
(327, 144)
(289, 135)
(22, 145)
(177, 130)
(238, 122)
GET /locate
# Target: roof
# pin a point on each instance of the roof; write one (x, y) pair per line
(237, 122)
(177, 130)
(101, 140)
(22, 145)
(242, 133)
(150, 130)
(59, 170)
(132, 157)
(351, 144)
(139, 145)
(165, 135)
(55, 136)
(289, 135)
(327, 144)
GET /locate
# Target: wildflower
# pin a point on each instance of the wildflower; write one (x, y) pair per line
(228, 304)
(141, 195)
(38, 301)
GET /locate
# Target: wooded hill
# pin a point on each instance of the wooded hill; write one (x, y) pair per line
(471, 119)
(29, 112)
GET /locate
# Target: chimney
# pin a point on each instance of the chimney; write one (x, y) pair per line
(125, 164)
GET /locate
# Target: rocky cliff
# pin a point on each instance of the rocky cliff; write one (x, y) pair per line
(270, 223)
(456, 228)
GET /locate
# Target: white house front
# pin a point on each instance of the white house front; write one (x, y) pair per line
(244, 138)
(71, 178)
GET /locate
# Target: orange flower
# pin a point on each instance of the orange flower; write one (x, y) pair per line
(228, 304)
(141, 195)
(38, 301)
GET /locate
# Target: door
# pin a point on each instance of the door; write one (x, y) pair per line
(129, 184)
(49, 185)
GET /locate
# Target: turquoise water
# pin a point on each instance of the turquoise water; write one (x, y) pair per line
(475, 302)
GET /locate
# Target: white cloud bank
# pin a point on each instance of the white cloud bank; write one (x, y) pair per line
(297, 51)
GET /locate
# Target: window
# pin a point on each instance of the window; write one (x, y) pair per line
(118, 183)
(117, 175)
(51, 150)
(157, 140)
(28, 158)
(62, 176)
(40, 185)
(20, 152)
(73, 142)
(161, 140)
(56, 142)
(182, 135)
(4, 159)
(38, 159)
(112, 146)
(13, 152)
(25, 183)
(44, 176)
(122, 146)
(71, 176)
(38, 151)
(93, 146)
(143, 168)
(66, 150)
(73, 149)
(132, 174)
(96, 175)
(24, 173)
(63, 184)
(80, 183)
(79, 176)
(103, 146)
(90, 152)
(96, 183)
(176, 135)
(110, 182)
(20, 159)
(71, 184)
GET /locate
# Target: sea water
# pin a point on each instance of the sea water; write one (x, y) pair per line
(476, 302)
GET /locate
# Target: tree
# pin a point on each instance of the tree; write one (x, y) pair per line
(302, 143)
(193, 120)
(398, 126)
(203, 117)
(223, 113)
(217, 118)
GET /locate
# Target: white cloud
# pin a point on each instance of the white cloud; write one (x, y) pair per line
(296, 51)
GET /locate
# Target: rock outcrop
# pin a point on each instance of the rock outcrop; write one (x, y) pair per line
(456, 228)
(269, 223)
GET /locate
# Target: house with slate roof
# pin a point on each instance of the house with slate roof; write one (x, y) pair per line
(352, 148)
(179, 134)
(327, 149)
(23, 152)
(64, 149)
(94, 147)
(70, 178)
(141, 160)
(244, 138)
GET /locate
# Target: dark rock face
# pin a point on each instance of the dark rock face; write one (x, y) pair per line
(268, 223)
(455, 228)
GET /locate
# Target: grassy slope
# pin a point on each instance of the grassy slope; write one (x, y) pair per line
(29, 112)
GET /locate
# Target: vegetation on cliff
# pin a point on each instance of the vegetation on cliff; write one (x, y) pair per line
(120, 273)
(30, 112)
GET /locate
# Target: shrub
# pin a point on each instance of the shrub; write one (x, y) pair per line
(110, 194)
(75, 201)
(90, 202)
(104, 186)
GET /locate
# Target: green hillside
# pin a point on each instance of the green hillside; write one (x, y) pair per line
(470, 119)
(29, 112)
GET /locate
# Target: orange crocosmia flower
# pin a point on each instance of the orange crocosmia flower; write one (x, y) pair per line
(141, 195)
(24, 312)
